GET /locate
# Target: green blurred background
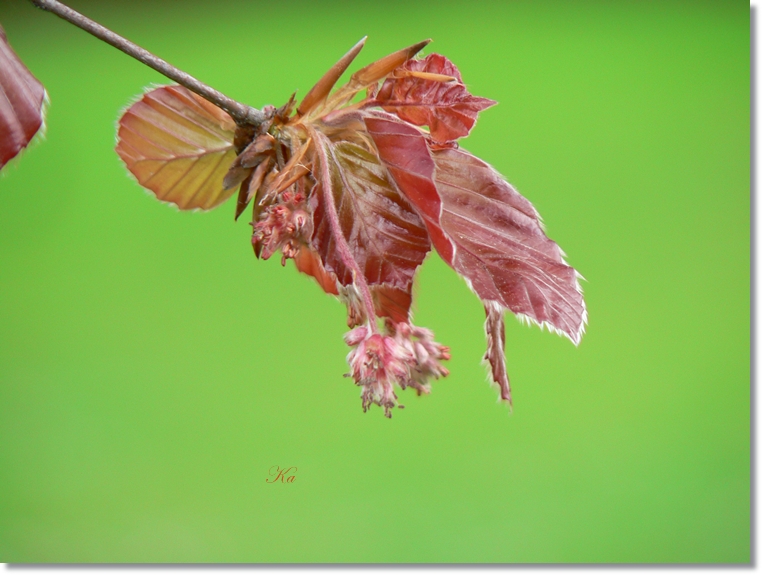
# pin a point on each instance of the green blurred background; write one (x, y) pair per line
(152, 370)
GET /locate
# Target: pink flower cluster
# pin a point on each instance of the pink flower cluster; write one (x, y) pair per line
(283, 225)
(407, 356)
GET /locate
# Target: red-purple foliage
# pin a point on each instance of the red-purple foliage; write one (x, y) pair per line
(430, 92)
(22, 99)
(356, 193)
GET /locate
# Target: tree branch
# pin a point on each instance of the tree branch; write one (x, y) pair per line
(241, 113)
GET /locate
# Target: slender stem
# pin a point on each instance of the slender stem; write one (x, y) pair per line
(241, 113)
(342, 247)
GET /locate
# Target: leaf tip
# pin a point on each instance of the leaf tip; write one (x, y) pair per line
(329, 79)
(415, 48)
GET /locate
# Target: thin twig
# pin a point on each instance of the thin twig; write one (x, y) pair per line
(241, 113)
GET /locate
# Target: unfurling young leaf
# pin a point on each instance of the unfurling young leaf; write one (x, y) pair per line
(356, 193)
(430, 92)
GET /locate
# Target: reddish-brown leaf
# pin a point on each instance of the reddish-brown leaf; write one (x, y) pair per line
(501, 248)
(385, 236)
(22, 99)
(419, 93)
(483, 228)
(494, 326)
(179, 146)
(405, 153)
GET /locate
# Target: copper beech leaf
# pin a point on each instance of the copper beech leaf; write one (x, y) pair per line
(483, 228)
(501, 248)
(385, 235)
(22, 100)
(430, 92)
(404, 152)
(179, 146)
